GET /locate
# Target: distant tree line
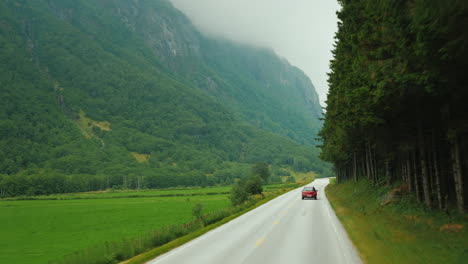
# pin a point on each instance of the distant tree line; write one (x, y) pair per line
(50, 182)
(397, 106)
(33, 182)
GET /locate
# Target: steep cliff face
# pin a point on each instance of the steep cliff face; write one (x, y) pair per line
(165, 30)
(265, 89)
(103, 90)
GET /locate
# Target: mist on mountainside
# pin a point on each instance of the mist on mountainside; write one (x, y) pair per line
(302, 31)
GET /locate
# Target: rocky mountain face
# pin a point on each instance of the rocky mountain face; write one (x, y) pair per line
(129, 94)
(221, 68)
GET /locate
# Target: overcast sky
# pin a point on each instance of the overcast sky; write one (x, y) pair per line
(301, 31)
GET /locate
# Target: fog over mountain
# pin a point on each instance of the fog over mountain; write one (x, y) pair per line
(302, 31)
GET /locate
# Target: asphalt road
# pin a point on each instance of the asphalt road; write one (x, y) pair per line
(285, 230)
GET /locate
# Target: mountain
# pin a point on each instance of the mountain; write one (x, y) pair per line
(128, 94)
(264, 89)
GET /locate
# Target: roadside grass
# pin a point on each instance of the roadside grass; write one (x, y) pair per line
(400, 232)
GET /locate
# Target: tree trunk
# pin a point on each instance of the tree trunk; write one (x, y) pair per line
(124, 183)
(399, 170)
(404, 178)
(416, 178)
(436, 171)
(337, 172)
(371, 164)
(367, 154)
(363, 164)
(355, 167)
(457, 174)
(409, 173)
(424, 172)
(388, 175)
(374, 165)
(404, 169)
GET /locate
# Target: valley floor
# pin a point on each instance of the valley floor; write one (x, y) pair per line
(38, 231)
(43, 229)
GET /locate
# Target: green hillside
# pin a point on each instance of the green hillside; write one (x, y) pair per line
(100, 94)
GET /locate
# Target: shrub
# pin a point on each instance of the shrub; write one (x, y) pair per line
(254, 185)
(239, 193)
(197, 210)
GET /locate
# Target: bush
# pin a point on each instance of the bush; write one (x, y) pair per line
(239, 193)
(243, 188)
(254, 185)
(197, 210)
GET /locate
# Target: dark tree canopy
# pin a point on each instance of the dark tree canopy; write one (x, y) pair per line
(397, 106)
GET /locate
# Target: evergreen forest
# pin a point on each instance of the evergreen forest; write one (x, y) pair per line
(397, 107)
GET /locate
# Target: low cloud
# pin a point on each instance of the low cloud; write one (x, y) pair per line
(302, 31)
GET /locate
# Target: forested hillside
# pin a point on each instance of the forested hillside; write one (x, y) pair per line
(397, 107)
(128, 94)
(260, 87)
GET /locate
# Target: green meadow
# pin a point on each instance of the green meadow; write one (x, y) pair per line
(39, 231)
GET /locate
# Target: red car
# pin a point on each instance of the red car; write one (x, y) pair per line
(309, 192)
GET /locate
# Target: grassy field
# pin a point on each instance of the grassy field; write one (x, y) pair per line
(46, 228)
(400, 232)
(42, 230)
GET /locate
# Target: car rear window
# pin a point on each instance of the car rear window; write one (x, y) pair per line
(308, 189)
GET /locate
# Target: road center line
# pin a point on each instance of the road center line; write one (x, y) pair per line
(259, 242)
